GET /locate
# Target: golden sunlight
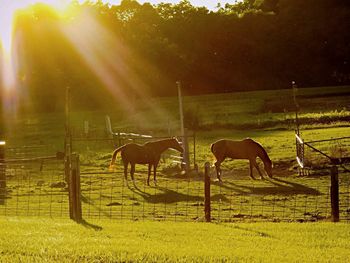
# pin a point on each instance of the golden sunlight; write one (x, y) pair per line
(7, 53)
(7, 12)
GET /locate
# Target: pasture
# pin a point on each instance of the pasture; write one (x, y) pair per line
(38, 189)
(138, 223)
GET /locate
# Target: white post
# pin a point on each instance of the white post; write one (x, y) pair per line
(178, 83)
(108, 126)
(183, 132)
(86, 128)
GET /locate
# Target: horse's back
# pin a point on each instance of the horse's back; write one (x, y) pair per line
(136, 153)
(243, 149)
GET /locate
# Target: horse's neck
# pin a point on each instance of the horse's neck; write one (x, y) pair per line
(262, 154)
(160, 146)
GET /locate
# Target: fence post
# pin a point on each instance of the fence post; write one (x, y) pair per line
(207, 192)
(335, 193)
(186, 155)
(75, 211)
(195, 166)
(2, 173)
(86, 129)
(68, 136)
(109, 131)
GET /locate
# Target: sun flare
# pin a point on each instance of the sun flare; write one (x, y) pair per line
(7, 14)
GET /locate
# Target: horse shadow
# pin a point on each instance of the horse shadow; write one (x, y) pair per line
(166, 196)
(279, 186)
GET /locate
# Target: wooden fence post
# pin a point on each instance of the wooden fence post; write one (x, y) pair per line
(75, 210)
(2, 173)
(207, 192)
(335, 193)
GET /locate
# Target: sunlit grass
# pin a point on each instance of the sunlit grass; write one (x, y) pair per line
(38, 240)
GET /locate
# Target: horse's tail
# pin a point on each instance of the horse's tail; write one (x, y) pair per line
(114, 155)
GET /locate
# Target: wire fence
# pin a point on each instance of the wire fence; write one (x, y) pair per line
(33, 185)
(108, 195)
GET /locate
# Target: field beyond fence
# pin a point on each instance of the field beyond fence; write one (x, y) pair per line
(36, 184)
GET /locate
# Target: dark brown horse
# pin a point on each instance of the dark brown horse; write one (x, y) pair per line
(148, 153)
(245, 149)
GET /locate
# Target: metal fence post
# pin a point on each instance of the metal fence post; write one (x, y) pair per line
(207, 192)
(335, 193)
(75, 210)
(186, 156)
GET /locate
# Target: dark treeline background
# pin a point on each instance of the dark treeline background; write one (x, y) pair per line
(252, 45)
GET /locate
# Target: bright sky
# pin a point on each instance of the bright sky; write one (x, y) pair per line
(210, 4)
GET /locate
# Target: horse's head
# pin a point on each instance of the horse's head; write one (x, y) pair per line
(174, 143)
(268, 168)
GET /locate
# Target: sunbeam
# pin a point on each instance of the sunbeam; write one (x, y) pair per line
(110, 60)
(8, 54)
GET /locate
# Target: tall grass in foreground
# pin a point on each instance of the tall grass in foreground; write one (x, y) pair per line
(33, 240)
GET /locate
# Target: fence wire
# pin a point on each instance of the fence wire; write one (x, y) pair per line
(31, 185)
(36, 187)
(289, 199)
(111, 196)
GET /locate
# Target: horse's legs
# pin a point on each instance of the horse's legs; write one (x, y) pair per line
(126, 170)
(132, 171)
(218, 169)
(149, 173)
(251, 169)
(155, 174)
(257, 168)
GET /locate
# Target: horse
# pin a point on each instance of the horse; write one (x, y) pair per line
(148, 153)
(245, 149)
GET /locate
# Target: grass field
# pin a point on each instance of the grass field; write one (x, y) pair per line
(47, 240)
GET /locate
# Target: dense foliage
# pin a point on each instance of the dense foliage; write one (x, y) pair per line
(143, 49)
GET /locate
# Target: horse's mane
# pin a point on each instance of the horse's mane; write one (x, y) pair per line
(265, 155)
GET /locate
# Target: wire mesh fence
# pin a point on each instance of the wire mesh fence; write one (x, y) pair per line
(32, 185)
(236, 199)
(111, 196)
(36, 186)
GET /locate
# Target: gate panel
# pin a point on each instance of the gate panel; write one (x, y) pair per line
(34, 187)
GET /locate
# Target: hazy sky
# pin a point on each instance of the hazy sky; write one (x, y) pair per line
(210, 4)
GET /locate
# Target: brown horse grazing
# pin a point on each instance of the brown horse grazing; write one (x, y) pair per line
(148, 153)
(245, 149)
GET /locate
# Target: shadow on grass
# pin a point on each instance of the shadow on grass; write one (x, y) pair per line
(246, 229)
(166, 196)
(279, 186)
(91, 203)
(90, 226)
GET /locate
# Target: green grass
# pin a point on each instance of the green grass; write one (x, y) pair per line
(41, 240)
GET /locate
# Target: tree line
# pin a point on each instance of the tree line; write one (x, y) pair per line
(135, 49)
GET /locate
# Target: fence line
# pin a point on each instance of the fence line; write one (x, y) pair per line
(177, 199)
(33, 190)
